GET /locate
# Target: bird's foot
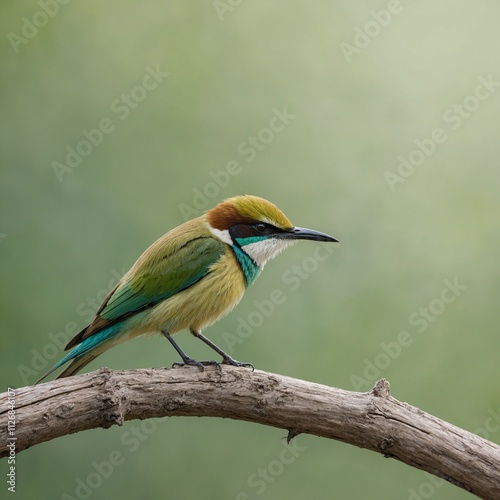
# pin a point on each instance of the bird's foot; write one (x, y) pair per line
(230, 361)
(200, 364)
(189, 362)
(212, 363)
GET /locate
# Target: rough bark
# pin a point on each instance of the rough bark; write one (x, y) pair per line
(372, 420)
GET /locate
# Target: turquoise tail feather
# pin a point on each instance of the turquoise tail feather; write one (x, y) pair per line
(85, 351)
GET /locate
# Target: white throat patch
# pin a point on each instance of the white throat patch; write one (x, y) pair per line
(262, 251)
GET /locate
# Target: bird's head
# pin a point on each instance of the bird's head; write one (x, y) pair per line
(258, 227)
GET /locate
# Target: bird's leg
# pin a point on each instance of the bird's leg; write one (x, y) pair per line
(226, 359)
(185, 358)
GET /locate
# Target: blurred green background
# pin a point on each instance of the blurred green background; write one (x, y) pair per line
(362, 82)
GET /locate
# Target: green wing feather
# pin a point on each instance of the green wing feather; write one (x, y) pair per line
(163, 276)
(168, 266)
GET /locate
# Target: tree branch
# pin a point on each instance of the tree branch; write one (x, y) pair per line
(373, 420)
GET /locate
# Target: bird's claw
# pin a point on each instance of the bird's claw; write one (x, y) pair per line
(189, 362)
(212, 363)
(200, 364)
(233, 362)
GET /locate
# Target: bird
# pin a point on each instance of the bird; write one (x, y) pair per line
(188, 279)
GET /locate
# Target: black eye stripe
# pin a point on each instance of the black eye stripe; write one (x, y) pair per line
(255, 229)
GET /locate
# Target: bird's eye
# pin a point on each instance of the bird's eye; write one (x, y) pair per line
(260, 227)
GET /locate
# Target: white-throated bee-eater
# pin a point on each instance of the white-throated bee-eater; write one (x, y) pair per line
(189, 279)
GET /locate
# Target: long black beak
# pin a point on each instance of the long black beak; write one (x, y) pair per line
(301, 233)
